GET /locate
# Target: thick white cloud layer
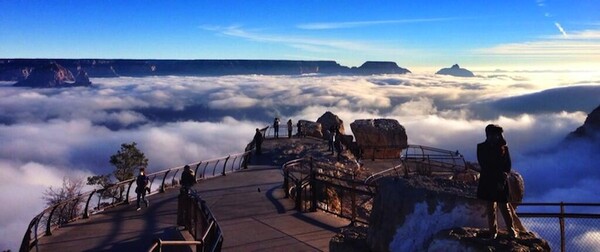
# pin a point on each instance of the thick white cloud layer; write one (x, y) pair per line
(51, 133)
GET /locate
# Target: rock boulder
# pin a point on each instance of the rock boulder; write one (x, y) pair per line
(311, 128)
(330, 121)
(380, 138)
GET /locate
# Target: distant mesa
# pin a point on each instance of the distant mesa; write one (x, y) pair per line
(455, 70)
(20, 69)
(380, 67)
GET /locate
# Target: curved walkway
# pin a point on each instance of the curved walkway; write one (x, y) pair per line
(249, 206)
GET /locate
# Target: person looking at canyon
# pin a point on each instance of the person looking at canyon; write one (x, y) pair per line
(276, 127)
(290, 128)
(494, 159)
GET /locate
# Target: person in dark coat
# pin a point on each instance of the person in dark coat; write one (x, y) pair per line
(258, 139)
(142, 181)
(290, 128)
(276, 126)
(188, 179)
(495, 163)
(339, 147)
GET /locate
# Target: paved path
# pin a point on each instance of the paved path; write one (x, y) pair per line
(254, 216)
(249, 206)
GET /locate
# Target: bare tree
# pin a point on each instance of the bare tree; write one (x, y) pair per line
(71, 188)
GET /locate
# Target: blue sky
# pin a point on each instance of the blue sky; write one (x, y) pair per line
(542, 34)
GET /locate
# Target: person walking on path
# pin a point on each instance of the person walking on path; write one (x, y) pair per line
(142, 181)
(258, 139)
(276, 126)
(495, 163)
(290, 128)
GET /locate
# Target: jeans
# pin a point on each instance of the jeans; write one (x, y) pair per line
(142, 195)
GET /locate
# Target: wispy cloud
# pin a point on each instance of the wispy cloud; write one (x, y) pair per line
(582, 45)
(561, 29)
(353, 24)
(311, 44)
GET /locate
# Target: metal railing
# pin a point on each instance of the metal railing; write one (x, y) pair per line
(95, 201)
(425, 160)
(199, 221)
(311, 188)
(564, 225)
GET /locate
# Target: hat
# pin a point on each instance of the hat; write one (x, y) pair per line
(493, 129)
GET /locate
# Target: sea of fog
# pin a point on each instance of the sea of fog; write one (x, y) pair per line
(47, 134)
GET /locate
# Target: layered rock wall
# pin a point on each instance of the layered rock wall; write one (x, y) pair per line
(379, 138)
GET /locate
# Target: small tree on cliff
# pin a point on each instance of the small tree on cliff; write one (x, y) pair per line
(125, 161)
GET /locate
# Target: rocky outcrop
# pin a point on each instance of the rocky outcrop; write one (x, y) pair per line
(49, 75)
(82, 79)
(330, 121)
(12, 69)
(311, 128)
(409, 212)
(475, 239)
(379, 138)
(380, 67)
(455, 70)
(590, 128)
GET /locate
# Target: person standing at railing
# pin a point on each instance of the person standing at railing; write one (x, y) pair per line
(290, 128)
(188, 179)
(276, 127)
(495, 163)
(142, 181)
(258, 139)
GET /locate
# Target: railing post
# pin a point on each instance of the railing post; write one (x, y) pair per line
(313, 187)
(128, 190)
(286, 183)
(299, 195)
(196, 171)
(225, 165)
(87, 204)
(215, 167)
(233, 164)
(562, 227)
(48, 231)
(353, 196)
(162, 185)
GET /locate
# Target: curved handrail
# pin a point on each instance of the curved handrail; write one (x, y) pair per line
(199, 221)
(72, 209)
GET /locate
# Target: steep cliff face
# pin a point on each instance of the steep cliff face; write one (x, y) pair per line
(590, 128)
(49, 75)
(409, 213)
(455, 70)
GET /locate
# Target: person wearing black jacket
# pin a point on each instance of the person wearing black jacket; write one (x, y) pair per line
(258, 139)
(142, 181)
(495, 163)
